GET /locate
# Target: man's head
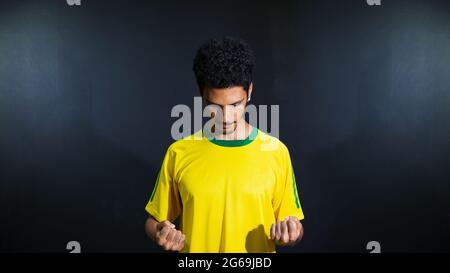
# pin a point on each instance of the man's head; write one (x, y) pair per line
(223, 70)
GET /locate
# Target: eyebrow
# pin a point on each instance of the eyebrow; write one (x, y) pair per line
(209, 102)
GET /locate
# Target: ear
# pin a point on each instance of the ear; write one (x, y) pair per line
(249, 93)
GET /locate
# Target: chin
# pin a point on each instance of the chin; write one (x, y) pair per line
(228, 131)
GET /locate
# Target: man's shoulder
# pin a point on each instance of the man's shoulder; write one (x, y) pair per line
(270, 143)
(187, 142)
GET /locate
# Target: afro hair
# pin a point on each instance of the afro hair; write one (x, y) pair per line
(224, 63)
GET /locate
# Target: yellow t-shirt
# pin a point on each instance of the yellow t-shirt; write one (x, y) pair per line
(228, 193)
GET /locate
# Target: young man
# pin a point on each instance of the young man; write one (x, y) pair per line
(232, 192)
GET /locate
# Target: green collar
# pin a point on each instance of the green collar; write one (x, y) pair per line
(237, 142)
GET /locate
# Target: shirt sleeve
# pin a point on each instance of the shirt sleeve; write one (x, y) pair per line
(286, 201)
(165, 203)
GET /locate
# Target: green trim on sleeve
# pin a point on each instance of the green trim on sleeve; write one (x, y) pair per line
(154, 189)
(294, 186)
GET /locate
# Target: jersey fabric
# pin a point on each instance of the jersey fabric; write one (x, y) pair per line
(227, 193)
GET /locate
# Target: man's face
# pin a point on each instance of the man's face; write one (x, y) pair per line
(231, 101)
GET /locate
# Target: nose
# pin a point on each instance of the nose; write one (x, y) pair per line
(229, 114)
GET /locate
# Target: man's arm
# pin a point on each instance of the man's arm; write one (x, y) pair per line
(164, 234)
(288, 232)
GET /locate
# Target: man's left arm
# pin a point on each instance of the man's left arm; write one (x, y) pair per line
(287, 229)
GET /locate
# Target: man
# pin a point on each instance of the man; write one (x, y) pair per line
(232, 193)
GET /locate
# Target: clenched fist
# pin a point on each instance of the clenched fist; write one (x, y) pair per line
(168, 237)
(287, 232)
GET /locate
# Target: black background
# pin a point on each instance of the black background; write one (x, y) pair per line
(86, 93)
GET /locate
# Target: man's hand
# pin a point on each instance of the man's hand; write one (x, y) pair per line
(168, 237)
(287, 232)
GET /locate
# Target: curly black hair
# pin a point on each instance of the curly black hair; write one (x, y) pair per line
(224, 63)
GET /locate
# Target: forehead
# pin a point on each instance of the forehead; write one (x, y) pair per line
(225, 95)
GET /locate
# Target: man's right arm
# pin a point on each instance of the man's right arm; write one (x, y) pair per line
(164, 234)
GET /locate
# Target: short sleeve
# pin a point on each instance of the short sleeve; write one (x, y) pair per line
(165, 203)
(286, 201)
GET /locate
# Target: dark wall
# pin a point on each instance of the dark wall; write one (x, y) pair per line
(86, 93)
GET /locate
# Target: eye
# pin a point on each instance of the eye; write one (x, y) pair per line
(213, 105)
